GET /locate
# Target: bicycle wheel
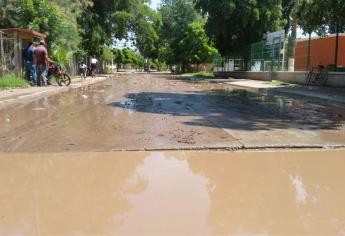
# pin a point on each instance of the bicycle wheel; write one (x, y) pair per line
(323, 78)
(309, 77)
(65, 80)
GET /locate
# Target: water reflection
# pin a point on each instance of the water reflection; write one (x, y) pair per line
(274, 193)
(175, 201)
(66, 195)
(173, 193)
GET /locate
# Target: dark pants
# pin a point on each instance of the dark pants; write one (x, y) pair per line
(30, 71)
(93, 67)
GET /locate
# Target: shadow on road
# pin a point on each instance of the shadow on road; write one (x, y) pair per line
(238, 109)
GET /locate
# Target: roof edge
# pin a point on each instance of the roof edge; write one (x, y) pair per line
(20, 30)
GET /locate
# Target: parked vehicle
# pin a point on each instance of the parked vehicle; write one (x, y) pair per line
(61, 76)
(317, 76)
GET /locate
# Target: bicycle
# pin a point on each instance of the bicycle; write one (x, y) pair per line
(317, 76)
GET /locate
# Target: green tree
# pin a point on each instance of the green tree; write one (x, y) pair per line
(8, 12)
(128, 56)
(107, 54)
(47, 17)
(334, 15)
(233, 24)
(308, 15)
(194, 47)
(104, 21)
(145, 26)
(182, 38)
(287, 10)
(323, 16)
(119, 57)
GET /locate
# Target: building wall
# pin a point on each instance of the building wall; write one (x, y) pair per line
(335, 79)
(322, 52)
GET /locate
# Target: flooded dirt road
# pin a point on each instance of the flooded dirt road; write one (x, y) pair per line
(152, 112)
(87, 189)
(173, 193)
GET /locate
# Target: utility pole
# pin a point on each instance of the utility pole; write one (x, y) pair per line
(336, 46)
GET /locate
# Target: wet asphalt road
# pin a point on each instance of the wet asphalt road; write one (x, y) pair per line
(153, 112)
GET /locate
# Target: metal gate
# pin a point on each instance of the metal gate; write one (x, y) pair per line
(7, 54)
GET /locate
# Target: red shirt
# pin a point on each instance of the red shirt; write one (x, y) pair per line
(41, 53)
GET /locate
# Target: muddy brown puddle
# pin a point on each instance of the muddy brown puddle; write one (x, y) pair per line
(173, 193)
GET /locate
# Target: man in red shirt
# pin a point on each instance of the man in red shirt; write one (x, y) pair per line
(41, 61)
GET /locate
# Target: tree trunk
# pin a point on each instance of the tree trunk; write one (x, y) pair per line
(294, 27)
(183, 67)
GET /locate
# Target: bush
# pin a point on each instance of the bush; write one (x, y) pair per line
(107, 71)
(11, 81)
(199, 75)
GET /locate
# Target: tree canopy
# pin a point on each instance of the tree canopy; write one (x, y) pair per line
(8, 11)
(183, 39)
(128, 56)
(181, 32)
(233, 24)
(326, 16)
(310, 17)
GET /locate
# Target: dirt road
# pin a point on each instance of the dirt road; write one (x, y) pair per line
(153, 112)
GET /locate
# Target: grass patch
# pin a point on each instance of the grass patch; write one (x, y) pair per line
(11, 81)
(204, 75)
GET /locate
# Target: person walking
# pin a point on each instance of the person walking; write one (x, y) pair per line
(30, 67)
(83, 70)
(41, 60)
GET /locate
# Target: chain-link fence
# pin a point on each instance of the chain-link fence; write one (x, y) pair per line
(287, 55)
(258, 56)
(7, 54)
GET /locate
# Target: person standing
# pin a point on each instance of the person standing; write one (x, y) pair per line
(94, 63)
(41, 61)
(30, 67)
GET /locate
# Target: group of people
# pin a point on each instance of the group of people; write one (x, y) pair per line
(36, 62)
(85, 70)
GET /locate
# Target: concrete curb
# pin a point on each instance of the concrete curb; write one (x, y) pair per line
(234, 149)
(50, 91)
(280, 90)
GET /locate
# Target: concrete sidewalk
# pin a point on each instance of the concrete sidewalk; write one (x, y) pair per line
(18, 95)
(323, 93)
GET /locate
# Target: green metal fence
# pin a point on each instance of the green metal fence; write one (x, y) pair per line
(259, 56)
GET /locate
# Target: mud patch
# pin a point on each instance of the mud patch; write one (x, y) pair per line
(184, 136)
